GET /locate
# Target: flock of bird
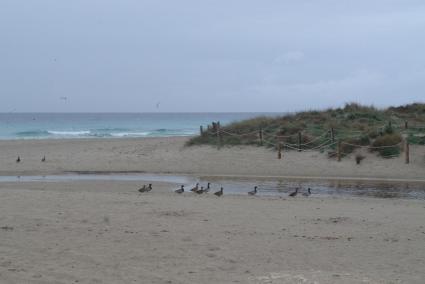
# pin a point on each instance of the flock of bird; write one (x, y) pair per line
(200, 190)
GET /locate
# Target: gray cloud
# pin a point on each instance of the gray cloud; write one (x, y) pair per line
(192, 55)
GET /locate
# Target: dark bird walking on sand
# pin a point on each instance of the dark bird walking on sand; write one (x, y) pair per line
(254, 192)
(208, 188)
(308, 193)
(180, 190)
(43, 159)
(18, 159)
(149, 188)
(144, 188)
(200, 191)
(219, 193)
(195, 188)
(293, 194)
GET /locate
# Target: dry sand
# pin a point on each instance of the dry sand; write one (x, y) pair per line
(168, 155)
(107, 232)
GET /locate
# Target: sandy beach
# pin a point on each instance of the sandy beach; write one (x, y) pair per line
(169, 155)
(107, 232)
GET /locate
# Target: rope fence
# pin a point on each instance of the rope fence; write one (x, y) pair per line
(332, 139)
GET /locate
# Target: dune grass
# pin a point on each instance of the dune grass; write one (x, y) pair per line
(353, 124)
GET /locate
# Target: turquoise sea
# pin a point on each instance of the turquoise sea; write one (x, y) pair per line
(109, 125)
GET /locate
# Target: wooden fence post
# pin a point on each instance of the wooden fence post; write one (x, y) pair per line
(201, 130)
(279, 151)
(406, 125)
(339, 150)
(332, 135)
(260, 134)
(299, 141)
(407, 151)
(218, 135)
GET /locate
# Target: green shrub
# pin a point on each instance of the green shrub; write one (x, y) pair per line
(418, 140)
(388, 129)
(385, 141)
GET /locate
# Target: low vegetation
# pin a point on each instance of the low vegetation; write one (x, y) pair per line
(355, 125)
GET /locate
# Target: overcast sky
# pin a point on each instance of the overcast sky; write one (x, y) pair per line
(217, 55)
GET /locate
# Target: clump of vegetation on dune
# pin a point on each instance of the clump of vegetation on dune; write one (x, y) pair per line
(355, 125)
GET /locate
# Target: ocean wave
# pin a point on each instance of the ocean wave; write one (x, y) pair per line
(130, 134)
(69, 133)
(32, 133)
(103, 133)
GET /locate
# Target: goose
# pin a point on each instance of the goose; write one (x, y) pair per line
(200, 191)
(308, 193)
(219, 193)
(43, 159)
(149, 188)
(254, 192)
(293, 194)
(18, 159)
(180, 190)
(208, 188)
(195, 188)
(143, 189)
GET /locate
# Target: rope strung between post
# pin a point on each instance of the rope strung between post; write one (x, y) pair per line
(239, 134)
(372, 147)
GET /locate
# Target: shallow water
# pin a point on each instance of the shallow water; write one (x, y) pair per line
(269, 186)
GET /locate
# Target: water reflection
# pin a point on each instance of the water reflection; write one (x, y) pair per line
(323, 188)
(269, 186)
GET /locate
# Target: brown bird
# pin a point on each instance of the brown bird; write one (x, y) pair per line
(208, 188)
(308, 193)
(195, 188)
(219, 193)
(143, 189)
(200, 191)
(180, 190)
(254, 192)
(293, 194)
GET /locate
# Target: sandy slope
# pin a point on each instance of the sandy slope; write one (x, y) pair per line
(168, 155)
(106, 232)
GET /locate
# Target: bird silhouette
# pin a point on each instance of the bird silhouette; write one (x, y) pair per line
(308, 193)
(254, 192)
(180, 190)
(195, 188)
(18, 160)
(144, 188)
(219, 193)
(293, 194)
(200, 191)
(43, 159)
